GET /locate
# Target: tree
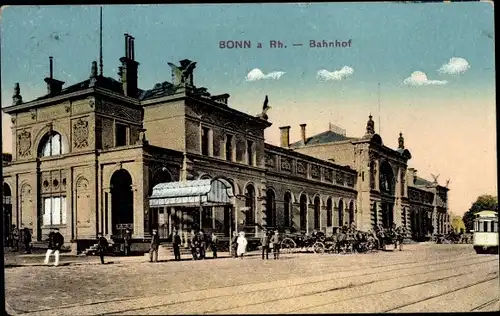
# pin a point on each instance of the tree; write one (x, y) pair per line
(483, 203)
(457, 223)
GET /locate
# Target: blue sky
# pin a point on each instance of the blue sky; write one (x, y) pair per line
(389, 42)
(448, 122)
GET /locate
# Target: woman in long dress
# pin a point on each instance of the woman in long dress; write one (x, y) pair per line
(242, 245)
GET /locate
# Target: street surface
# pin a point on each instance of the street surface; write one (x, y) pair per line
(421, 278)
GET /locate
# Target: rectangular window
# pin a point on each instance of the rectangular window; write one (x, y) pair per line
(204, 141)
(229, 147)
(120, 135)
(485, 225)
(250, 153)
(54, 211)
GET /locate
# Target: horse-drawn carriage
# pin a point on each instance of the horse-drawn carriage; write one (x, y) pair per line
(303, 243)
(345, 241)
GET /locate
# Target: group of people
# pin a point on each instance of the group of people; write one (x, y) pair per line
(13, 239)
(270, 241)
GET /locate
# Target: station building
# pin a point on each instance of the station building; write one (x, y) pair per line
(104, 155)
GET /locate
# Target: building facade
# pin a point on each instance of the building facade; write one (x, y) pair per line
(103, 155)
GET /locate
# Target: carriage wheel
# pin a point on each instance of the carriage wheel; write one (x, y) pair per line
(288, 245)
(319, 247)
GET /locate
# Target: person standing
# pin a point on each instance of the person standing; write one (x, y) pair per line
(242, 245)
(275, 241)
(155, 244)
(194, 244)
(213, 244)
(102, 246)
(27, 240)
(203, 244)
(56, 240)
(127, 239)
(234, 245)
(264, 242)
(176, 243)
(15, 238)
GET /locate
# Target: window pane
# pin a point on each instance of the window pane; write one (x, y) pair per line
(46, 148)
(56, 144)
(56, 211)
(46, 211)
(63, 210)
(485, 226)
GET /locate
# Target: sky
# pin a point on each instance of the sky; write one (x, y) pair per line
(426, 70)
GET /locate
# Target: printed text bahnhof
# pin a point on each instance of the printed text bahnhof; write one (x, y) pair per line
(235, 44)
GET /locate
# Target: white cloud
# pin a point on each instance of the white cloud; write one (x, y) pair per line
(418, 78)
(341, 74)
(257, 74)
(455, 66)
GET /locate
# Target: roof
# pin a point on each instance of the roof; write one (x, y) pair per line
(322, 138)
(159, 90)
(103, 82)
(191, 193)
(422, 181)
(486, 214)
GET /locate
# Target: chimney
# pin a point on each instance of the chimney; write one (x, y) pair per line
(303, 132)
(128, 69)
(51, 65)
(53, 85)
(285, 136)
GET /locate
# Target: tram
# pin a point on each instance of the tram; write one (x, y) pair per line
(485, 238)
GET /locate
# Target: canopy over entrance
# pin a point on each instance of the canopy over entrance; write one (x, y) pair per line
(210, 192)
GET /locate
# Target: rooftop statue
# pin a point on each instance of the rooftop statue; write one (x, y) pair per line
(184, 74)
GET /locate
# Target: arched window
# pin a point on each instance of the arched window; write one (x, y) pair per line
(270, 208)
(51, 145)
(250, 204)
(303, 212)
(329, 206)
(351, 213)
(288, 209)
(341, 213)
(317, 212)
(387, 179)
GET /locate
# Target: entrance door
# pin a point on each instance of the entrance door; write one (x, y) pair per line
(122, 200)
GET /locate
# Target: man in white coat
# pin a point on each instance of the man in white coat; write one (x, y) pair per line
(242, 245)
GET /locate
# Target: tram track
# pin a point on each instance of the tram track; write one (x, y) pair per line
(329, 299)
(227, 298)
(485, 305)
(495, 276)
(401, 263)
(233, 290)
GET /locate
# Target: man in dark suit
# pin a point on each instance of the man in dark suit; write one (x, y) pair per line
(176, 243)
(264, 242)
(203, 244)
(102, 246)
(27, 240)
(127, 240)
(155, 244)
(56, 241)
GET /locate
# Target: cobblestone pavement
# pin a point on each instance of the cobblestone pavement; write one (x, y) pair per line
(421, 278)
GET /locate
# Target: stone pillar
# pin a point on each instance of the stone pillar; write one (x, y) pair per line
(210, 142)
(108, 229)
(377, 175)
(295, 216)
(434, 221)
